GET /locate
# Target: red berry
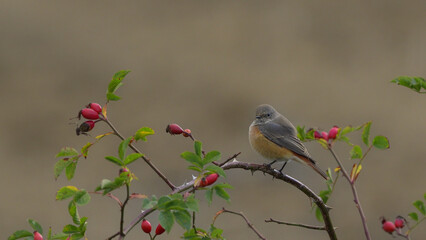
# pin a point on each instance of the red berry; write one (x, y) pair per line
(324, 135)
(37, 236)
(174, 129)
(399, 222)
(122, 170)
(388, 226)
(159, 230)
(317, 135)
(89, 113)
(146, 226)
(333, 132)
(186, 132)
(95, 106)
(85, 127)
(209, 180)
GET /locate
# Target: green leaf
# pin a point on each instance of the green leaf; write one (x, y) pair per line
(35, 225)
(67, 152)
(114, 160)
(192, 158)
(85, 149)
(424, 196)
(216, 232)
(366, 134)
(72, 210)
(381, 142)
(318, 214)
(162, 201)
(66, 192)
(82, 197)
(116, 80)
(123, 147)
(60, 166)
(70, 170)
(166, 220)
(77, 236)
(216, 169)
(356, 152)
(301, 133)
(211, 157)
(414, 83)
(149, 203)
(49, 234)
(175, 204)
(183, 218)
(420, 206)
(221, 193)
(69, 229)
(83, 224)
(197, 147)
(414, 216)
(195, 168)
(192, 203)
(143, 132)
(131, 158)
(209, 195)
(20, 234)
(61, 236)
(112, 97)
(345, 131)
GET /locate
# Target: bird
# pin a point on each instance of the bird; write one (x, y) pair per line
(275, 138)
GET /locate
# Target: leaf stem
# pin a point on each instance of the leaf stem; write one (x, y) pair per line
(354, 193)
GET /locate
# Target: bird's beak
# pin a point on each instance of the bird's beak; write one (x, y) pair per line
(257, 117)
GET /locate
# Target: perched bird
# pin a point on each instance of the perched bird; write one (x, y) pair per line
(275, 138)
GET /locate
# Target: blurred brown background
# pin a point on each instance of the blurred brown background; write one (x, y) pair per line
(206, 65)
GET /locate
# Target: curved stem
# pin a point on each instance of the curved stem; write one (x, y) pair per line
(354, 193)
(156, 170)
(296, 224)
(122, 210)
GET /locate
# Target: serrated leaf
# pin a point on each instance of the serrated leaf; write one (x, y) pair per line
(112, 97)
(70, 229)
(216, 169)
(72, 210)
(35, 225)
(183, 218)
(123, 147)
(209, 195)
(221, 193)
(67, 152)
(131, 158)
(197, 148)
(211, 157)
(192, 203)
(166, 219)
(66, 192)
(366, 134)
(175, 204)
(414, 83)
(85, 149)
(192, 158)
(162, 201)
(70, 170)
(20, 234)
(195, 168)
(216, 232)
(414, 216)
(60, 166)
(114, 160)
(356, 152)
(381, 142)
(143, 132)
(420, 206)
(82, 197)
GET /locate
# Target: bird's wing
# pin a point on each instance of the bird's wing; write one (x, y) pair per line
(280, 132)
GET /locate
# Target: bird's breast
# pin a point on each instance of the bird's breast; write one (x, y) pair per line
(265, 147)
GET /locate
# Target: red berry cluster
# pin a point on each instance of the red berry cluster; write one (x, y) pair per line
(390, 227)
(146, 227)
(327, 136)
(208, 180)
(91, 112)
(175, 129)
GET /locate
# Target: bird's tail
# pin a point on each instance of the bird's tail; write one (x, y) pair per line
(318, 170)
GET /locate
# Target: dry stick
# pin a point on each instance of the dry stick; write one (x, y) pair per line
(296, 183)
(156, 170)
(355, 194)
(244, 217)
(296, 224)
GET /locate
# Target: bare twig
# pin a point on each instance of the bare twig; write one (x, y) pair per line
(296, 183)
(245, 219)
(296, 224)
(156, 170)
(229, 159)
(122, 211)
(354, 193)
(109, 195)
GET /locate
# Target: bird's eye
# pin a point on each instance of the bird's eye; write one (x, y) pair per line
(268, 114)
